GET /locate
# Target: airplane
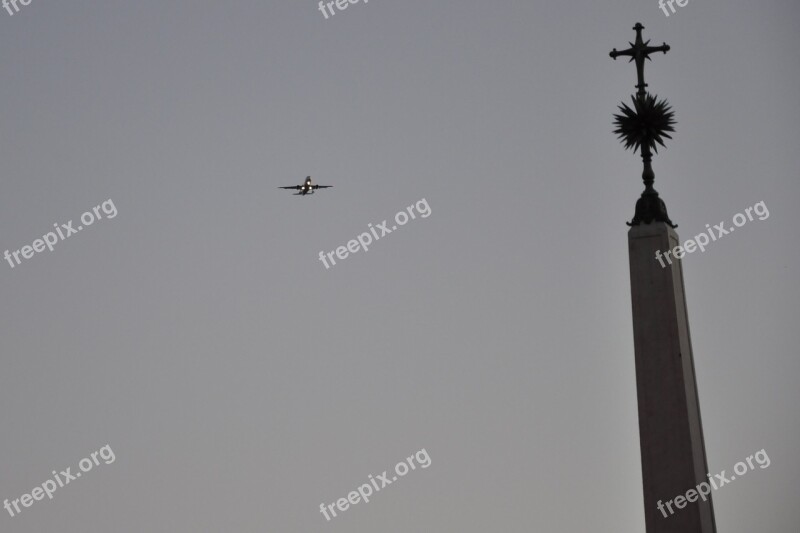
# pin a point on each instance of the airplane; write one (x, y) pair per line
(306, 188)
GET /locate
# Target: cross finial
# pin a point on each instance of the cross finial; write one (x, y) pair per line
(644, 125)
(639, 51)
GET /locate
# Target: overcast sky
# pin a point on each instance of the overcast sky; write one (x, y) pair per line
(240, 384)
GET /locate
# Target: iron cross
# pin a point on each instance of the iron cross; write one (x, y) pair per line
(639, 51)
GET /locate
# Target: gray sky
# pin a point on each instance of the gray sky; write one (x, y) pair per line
(240, 384)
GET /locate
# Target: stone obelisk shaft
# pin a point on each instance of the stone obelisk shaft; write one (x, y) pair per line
(670, 428)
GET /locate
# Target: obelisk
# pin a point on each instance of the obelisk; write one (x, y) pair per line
(670, 428)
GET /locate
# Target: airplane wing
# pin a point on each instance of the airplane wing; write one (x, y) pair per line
(296, 187)
(321, 186)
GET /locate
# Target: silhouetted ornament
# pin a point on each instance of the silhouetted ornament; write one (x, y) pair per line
(646, 124)
(643, 127)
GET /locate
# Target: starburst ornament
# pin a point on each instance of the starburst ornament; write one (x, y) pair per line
(645, 124)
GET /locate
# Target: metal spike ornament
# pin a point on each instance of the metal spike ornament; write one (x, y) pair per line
(644, 126)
